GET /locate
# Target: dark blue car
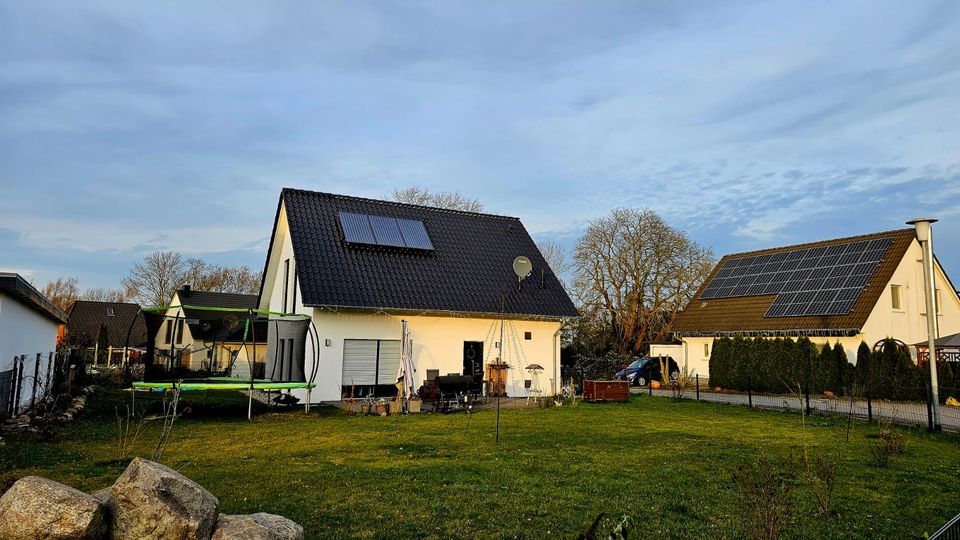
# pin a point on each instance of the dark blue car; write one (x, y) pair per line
(643, 370)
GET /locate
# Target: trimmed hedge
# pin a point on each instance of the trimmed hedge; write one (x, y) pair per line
(783, 365)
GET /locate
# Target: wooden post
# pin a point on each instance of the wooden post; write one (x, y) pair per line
(36, 380)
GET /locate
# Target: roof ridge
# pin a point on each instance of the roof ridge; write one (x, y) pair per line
(817, 242)
(396, 203)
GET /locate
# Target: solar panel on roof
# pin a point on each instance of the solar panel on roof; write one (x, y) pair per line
(384, 231)
(415, 234)
(825, 280)
(356, 228)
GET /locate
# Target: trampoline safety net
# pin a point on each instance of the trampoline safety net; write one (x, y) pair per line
(210, 346)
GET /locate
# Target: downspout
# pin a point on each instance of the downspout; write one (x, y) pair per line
(556, 358)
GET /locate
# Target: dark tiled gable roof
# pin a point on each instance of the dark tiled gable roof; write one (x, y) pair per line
(203, 329)
(86, 318)
(467, 272)
(746, 314)
(214, 300)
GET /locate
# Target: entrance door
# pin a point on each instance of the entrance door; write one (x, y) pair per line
(473, 362)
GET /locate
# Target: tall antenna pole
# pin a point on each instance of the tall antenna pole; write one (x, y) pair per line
(500, 366)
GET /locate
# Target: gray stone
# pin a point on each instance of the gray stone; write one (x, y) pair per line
(259, 526)
(40, 509)
(150, 500)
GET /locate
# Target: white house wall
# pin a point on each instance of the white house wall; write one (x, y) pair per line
(909, 324)
(438, 344)
(23, 331)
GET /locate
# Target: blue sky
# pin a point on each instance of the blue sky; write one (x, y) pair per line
(128, 127)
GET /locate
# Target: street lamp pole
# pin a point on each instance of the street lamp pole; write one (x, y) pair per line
(925, 237)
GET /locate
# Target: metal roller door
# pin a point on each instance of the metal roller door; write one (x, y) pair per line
(370, 361)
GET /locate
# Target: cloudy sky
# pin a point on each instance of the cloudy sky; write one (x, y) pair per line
(129, 127)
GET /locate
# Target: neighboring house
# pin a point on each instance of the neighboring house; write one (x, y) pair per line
(121, 325)
(360, 267)
(28, 320)
(848, 290)
(211, 341)
(28, 330)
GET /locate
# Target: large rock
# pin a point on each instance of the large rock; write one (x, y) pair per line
(40, 509)
(150, 500)
(257, 526)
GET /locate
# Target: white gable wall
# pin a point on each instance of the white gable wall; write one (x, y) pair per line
(909, 323)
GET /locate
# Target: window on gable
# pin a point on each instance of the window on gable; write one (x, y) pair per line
(706, 350)
(896, 299)
(528, 336)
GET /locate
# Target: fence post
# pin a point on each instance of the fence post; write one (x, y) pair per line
(806, 386)
(869, 408)
(750, 391)
(930, 426)
(49, 372)
(650, 386)
(17, 382)
(36, 380)
(698, 387)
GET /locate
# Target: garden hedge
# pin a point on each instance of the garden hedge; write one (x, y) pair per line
(784, 365)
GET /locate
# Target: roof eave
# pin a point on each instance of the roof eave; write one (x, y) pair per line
(441, 312)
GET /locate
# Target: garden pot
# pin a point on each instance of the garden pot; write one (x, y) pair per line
(413, 406)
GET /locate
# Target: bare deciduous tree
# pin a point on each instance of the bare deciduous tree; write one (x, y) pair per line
(635, 273)
(154, 280)
(211, 277)
(440, 199)
(63, 292)
(103, 294)
(556, 256)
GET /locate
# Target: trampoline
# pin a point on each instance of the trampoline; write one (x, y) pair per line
(204, 348)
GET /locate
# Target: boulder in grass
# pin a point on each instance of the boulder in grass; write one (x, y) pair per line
(150, 500)
(259, 526)
(40, 509)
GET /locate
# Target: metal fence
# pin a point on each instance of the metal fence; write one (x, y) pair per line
(897, 412)
(950, 531)
(28, 379)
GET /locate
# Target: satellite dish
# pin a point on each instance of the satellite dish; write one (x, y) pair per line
(522, 267)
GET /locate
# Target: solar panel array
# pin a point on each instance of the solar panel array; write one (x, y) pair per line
(384, 231)
(824, 280)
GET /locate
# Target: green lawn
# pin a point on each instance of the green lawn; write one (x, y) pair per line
(667, 464)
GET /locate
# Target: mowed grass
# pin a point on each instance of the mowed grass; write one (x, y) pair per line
(666, 464)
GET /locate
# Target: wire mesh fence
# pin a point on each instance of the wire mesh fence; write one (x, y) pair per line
(28, 379)
(950, 530)
(909, 413)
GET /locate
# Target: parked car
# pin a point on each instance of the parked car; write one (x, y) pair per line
(643, 370)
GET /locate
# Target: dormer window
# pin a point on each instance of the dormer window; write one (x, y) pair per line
(110, 312)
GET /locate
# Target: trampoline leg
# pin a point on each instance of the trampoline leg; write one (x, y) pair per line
(307, 406)
(133, 398)
(250, 405)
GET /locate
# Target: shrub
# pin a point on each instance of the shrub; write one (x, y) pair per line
(765, 496)
(823, 478)
(600, 367)
(889, 443)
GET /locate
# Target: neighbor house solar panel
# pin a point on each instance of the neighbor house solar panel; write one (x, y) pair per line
(826, 280)
(384, 231)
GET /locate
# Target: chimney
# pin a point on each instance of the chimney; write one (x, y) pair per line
(185, 291)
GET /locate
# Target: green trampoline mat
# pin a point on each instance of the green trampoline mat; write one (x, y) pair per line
(221, 383)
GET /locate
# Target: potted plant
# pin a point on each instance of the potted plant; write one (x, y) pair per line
(414, 404)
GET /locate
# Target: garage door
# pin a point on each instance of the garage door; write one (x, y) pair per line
(370, 361)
